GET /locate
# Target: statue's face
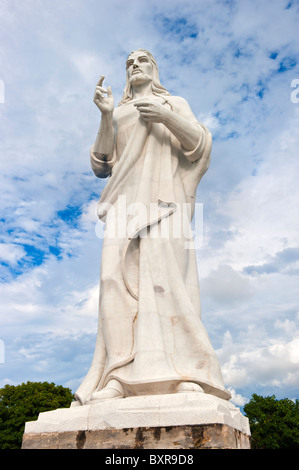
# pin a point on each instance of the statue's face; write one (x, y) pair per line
(139, 68)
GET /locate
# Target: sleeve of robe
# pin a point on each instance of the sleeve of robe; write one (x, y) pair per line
(101, 167)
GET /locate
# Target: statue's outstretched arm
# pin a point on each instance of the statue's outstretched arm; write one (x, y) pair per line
(104, 143)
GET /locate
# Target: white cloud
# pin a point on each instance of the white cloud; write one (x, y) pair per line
(10, 253)
(261, 209)
(287, 326)
(225, 285)
(88, 63)
(274, 364)
(237, 398)
(208, 120)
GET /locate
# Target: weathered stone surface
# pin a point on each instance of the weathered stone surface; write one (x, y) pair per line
(213, 436)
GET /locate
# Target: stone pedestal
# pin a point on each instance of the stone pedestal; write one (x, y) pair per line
(177, 421)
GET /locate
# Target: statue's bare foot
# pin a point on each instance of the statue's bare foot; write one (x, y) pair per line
(186, 387)
(112, 390)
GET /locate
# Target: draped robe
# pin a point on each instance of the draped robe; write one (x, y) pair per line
(150, 334)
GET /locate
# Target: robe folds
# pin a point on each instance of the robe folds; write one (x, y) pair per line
(150, 334)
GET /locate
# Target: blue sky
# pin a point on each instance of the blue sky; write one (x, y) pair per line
(234, 61)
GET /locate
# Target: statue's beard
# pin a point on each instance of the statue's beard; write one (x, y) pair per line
(140, 77)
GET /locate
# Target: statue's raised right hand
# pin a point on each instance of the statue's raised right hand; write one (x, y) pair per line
(104, 103)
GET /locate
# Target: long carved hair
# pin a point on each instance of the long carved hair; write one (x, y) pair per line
(157, 88)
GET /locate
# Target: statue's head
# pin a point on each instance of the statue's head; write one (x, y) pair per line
(149, 72)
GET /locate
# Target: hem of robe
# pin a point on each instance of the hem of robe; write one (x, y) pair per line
(162, 386)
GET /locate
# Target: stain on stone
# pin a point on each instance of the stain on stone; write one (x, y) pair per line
(238, 438)
(168, 428)
(200, 365)
(157, 434)
(158, 289)
(197, 436)
(139, 439)
(80, 439)
(127, 430)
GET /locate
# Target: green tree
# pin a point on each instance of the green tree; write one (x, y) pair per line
(274, 424)
(22, 403)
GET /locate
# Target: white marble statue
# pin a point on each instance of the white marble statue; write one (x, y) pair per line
(151, 340)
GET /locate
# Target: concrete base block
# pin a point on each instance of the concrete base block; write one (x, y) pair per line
(172, 421)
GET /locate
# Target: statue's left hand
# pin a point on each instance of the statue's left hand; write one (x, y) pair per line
(151, 111)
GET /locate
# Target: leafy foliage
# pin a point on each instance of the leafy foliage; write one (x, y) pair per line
(274, 424)
(22, 403)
